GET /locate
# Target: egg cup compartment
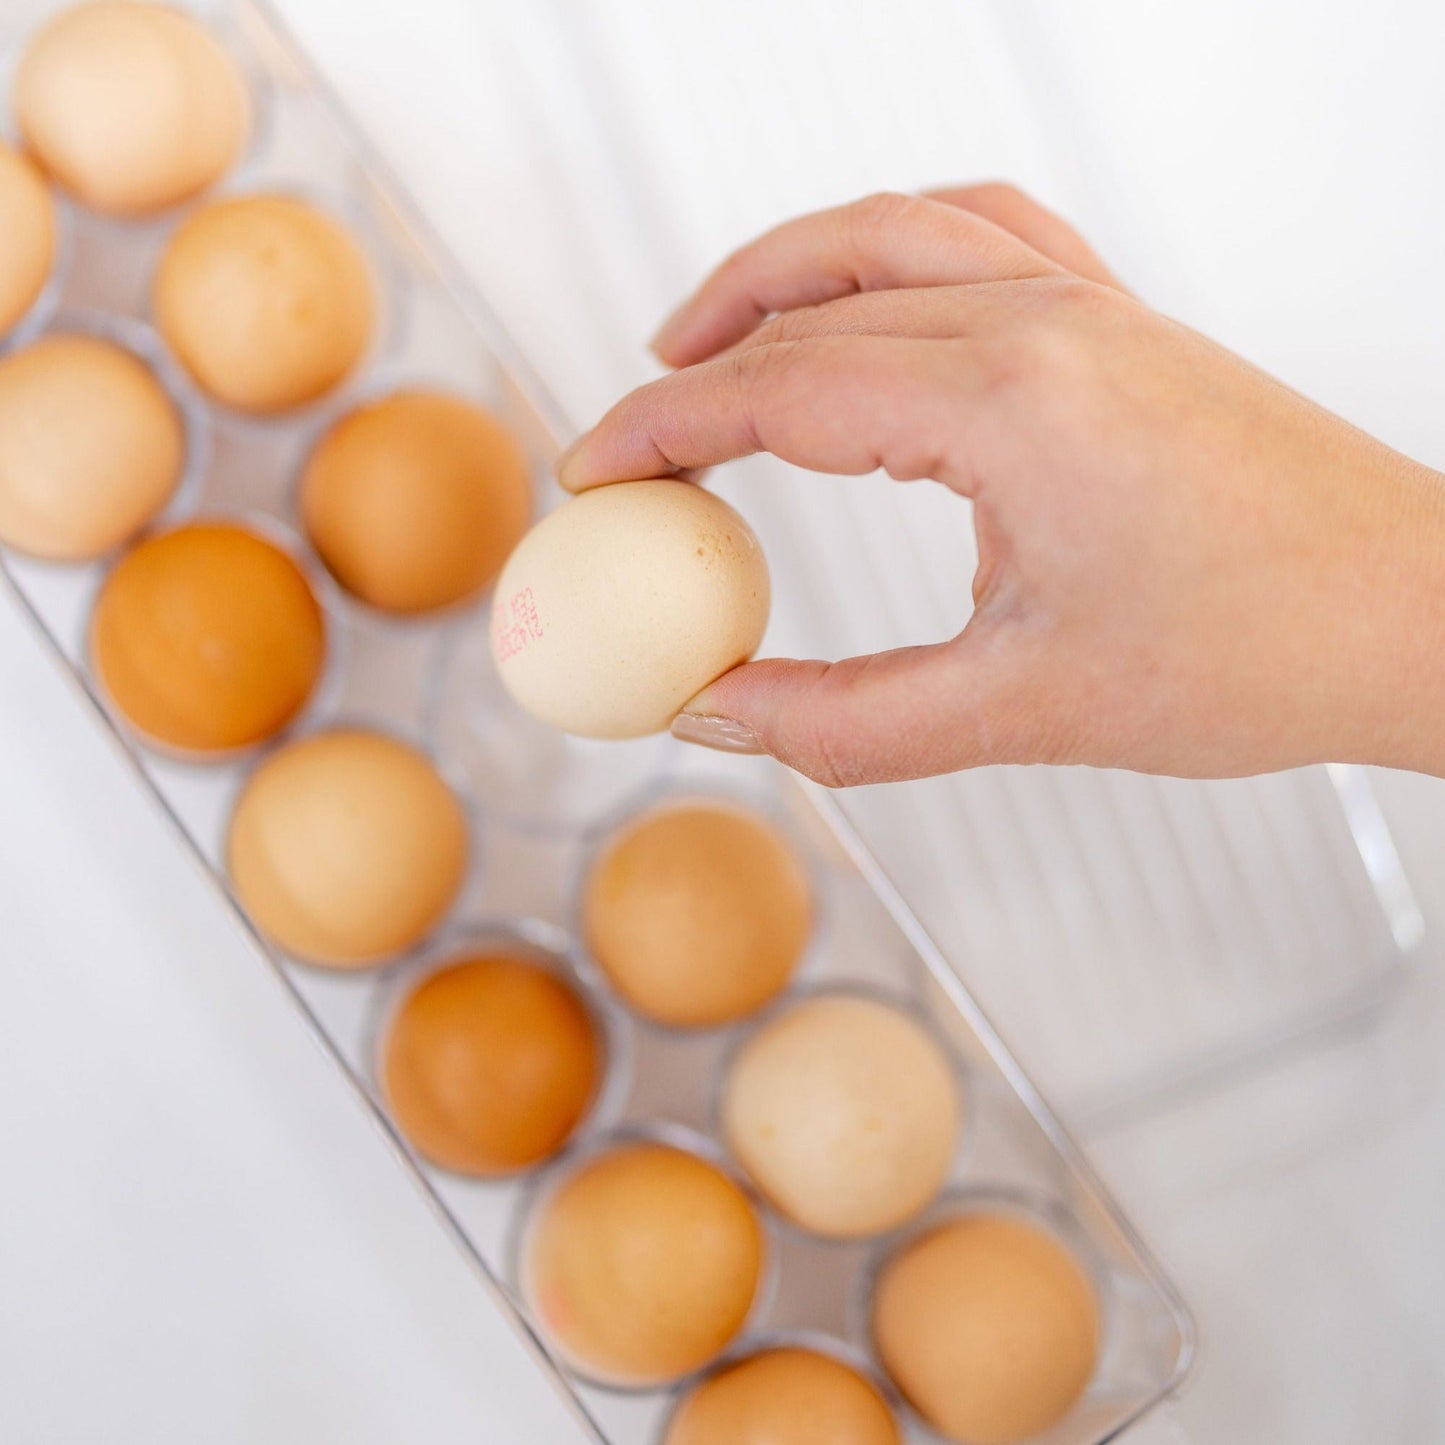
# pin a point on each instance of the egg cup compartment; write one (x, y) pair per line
(540, 804)
(624, 1397)
(551, 949)
(678, 779)
(321, 702)
(783, 1339)
(537, 780)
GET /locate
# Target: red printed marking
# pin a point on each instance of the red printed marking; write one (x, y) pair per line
(515, 624)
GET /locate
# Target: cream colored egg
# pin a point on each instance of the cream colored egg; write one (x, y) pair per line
(27, 236)
(626, 602)
(91, 447)
(132, 107)
(845, 1113)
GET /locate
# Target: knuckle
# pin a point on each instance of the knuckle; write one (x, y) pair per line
(878, 212)
(1003, 195)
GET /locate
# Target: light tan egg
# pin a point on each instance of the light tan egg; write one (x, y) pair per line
(624, 603)
(347, 848)
(490, 1064)
(844, 1111)
(988, 1326)
(415, 501)
(644, 1263)
(132, 107)
(785, 1396)
(29, 236)
(267, 301)
(91, 447)
(698, 913)
(207, 638)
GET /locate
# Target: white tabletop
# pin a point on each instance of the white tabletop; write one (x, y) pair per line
(200, 1235)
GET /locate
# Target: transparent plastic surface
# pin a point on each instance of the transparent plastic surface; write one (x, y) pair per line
(540, 803)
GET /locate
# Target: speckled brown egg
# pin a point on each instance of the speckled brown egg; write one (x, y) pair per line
(785, 1396)
(91, 447)
(414, 501)
(490, 1063)
(347, 847)
(698, 912)
(207, 638)
(133, 107)
(28, 237)
(989, 1326)
(267, 301)
(644, 1263)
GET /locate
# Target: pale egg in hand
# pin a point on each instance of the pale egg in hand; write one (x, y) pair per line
(29, 236)
(132, 107)
(643, 1264)
(266, 300)
(698, 912)
(844, 1112)
(787, 1395)
(207, 638)
(91, 447)
(989, 1326)
(623, 604)
(490, 1063)
(347, 847)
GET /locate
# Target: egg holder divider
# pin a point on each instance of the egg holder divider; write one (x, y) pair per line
(538, 802)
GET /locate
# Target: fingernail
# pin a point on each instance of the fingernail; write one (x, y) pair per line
(723, 734)
(565, 467)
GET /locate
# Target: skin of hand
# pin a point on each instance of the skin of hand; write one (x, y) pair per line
(1184, 566)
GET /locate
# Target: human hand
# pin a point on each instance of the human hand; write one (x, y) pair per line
(1184, 567)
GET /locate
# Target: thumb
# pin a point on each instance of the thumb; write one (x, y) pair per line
(909, 713)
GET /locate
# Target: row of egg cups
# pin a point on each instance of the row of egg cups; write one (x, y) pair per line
(90, 245)
(607, 1126)
(189, 500)
(262, 167)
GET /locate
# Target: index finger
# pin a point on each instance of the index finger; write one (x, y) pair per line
(842, 404)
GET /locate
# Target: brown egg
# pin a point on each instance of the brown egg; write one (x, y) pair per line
(698, 912)
(346, 848)
(91, 447)
(785, 1396)
(989, 1327)
(644, 1264)
(415, 501)
(28, 238)
(844, 1112)
(490, 1064)
(132, 107)
(266, 300)
(207, 638)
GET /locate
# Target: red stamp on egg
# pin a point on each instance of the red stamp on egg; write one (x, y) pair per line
(515, 624)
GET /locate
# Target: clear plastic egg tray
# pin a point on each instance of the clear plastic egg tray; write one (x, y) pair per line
(539, 802)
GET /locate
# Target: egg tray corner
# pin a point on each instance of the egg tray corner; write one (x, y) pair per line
(538, 801)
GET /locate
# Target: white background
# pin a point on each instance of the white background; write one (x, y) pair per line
(200, 1238)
